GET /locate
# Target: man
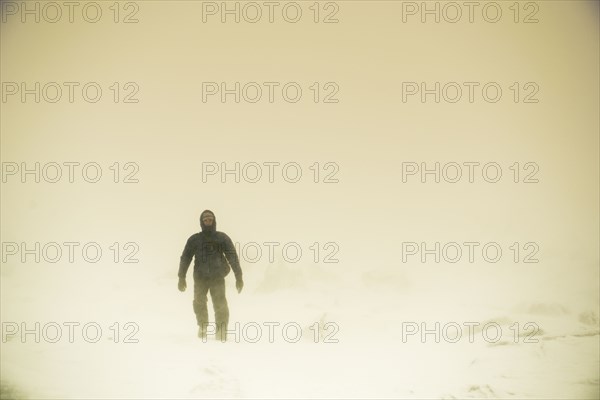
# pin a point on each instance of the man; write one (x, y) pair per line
(214, 257)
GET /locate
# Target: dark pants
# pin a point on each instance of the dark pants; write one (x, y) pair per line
(219, 301)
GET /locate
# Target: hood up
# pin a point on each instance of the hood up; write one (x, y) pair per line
(205, 228)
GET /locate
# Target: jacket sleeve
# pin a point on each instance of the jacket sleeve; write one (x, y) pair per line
(232, 257)
(186, 257)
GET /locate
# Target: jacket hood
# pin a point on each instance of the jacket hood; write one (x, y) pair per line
(205, 228)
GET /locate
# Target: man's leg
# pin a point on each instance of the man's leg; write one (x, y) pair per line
(217, 294)
(200, 309)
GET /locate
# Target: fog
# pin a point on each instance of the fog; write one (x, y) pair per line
(396, 240)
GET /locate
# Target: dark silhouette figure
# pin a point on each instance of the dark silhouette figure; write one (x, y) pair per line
(214, 257)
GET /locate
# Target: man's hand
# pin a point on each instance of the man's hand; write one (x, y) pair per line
(181, 285)
(239, 284)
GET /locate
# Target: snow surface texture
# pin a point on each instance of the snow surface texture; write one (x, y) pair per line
(360, 354)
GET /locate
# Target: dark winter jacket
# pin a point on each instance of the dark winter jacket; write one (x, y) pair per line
(213, 252)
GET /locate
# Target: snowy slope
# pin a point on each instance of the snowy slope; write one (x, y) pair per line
(369, 359)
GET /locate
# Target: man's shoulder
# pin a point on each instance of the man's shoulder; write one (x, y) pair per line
(194, 237)
(222, 235)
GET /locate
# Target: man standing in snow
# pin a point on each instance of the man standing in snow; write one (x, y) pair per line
(214, 257)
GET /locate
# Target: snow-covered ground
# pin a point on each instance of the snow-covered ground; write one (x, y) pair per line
(357, 352)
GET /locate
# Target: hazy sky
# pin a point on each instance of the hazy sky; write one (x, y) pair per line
(366, 57)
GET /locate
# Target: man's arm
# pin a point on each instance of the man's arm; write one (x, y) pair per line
(232, 258)
(186, 258)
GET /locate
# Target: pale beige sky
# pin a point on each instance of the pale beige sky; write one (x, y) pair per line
(369, 133)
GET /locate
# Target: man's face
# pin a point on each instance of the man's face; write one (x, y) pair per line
(208, 219)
